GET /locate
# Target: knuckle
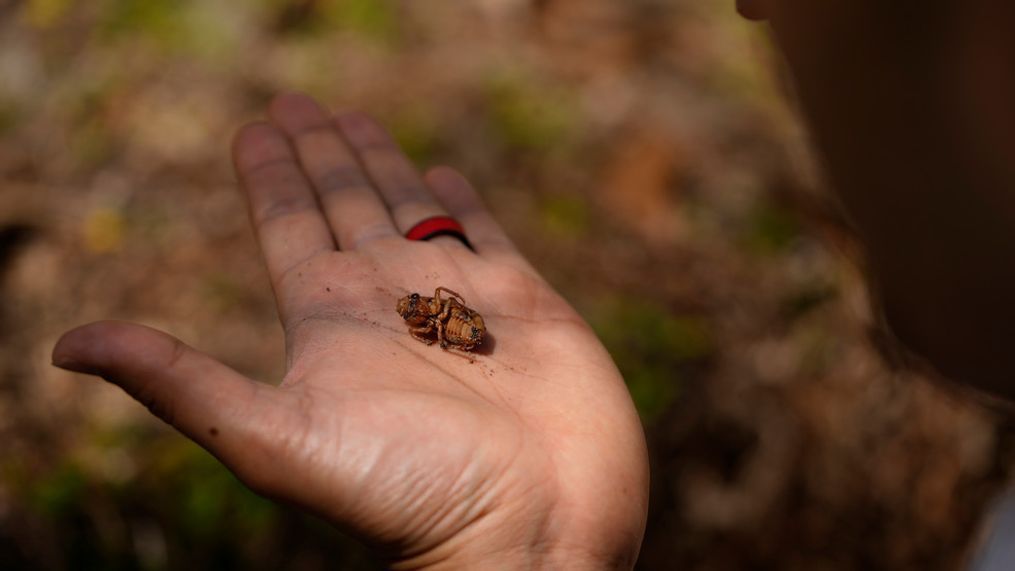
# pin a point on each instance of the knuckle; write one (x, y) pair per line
(317, 134)
(373, 235)
(285, 206)
(258, 144)
(340, 178)
(176, 353)
(378, 143)
(413, 206)
(269, 168)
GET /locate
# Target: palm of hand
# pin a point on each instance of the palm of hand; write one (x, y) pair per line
(428, 443)
(529, 446)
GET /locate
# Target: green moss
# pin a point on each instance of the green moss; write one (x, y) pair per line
(162, 20)
(211, 501)
(60, 491)
(46, 13)
(9, 116)
(373, 19)
(416, 132)
(771, 229)
(802, 301)
(652, 348)
(565, 215)
(221, 291)
(177, 27)
(527, 116)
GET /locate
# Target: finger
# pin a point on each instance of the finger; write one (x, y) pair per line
(210, 403)
(464, 203)
(354, 211)
(289, 224)
(394, 175)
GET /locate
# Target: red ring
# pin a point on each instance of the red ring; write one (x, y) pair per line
(438, 226)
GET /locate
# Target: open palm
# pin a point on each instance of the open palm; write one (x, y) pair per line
(525, 453)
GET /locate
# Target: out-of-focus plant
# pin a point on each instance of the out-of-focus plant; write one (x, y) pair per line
(58, 491)
(565, 216)
(770, 229)
(373, 19)
(653, 348)
(417, 131)
(160, 20)
(527, 116)
(44, 13)
(103, 230)
(211, 502)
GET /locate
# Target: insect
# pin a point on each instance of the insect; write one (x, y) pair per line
(456, 324)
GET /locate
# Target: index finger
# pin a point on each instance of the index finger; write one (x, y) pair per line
(283, 209)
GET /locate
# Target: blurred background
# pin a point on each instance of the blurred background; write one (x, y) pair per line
(644, 154)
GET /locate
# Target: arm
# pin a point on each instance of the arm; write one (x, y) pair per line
(913, 107)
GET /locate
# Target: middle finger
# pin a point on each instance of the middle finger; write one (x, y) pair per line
(395, 177)
(354, 211)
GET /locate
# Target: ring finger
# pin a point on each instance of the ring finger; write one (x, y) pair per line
(399, 183)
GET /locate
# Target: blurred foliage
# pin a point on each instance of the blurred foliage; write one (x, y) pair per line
(44, 13)
(161, 21)
(566, 216)
(222, 292)
(212, 503)
(770, 229)
(806, 299)
(417, 132)
(374, 19)
(528, 116)
(104, 230)
(91, 142)
(653, 348)
(8, 116)
(182, 509)
(58, 491)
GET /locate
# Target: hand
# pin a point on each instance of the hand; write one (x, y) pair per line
(528, 454)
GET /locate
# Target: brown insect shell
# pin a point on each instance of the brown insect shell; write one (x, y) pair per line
(461, 327)
(464, 327)
(416, 309)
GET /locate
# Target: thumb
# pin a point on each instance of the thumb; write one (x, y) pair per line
(212, 404)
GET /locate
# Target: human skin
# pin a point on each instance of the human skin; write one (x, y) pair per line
(529, 455)
(912, 105)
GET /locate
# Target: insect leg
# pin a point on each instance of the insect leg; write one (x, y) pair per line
(419, 332)
(445, 312)
(462, 352)
(441, 335)
(437, 293)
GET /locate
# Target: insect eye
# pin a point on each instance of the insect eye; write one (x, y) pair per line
(415, 297)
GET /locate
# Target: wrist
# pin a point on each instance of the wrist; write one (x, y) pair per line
(531, 558)
(529, 543)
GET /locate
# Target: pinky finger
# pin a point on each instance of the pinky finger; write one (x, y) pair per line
(463, 203)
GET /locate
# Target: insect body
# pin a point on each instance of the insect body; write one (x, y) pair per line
(456, 325)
